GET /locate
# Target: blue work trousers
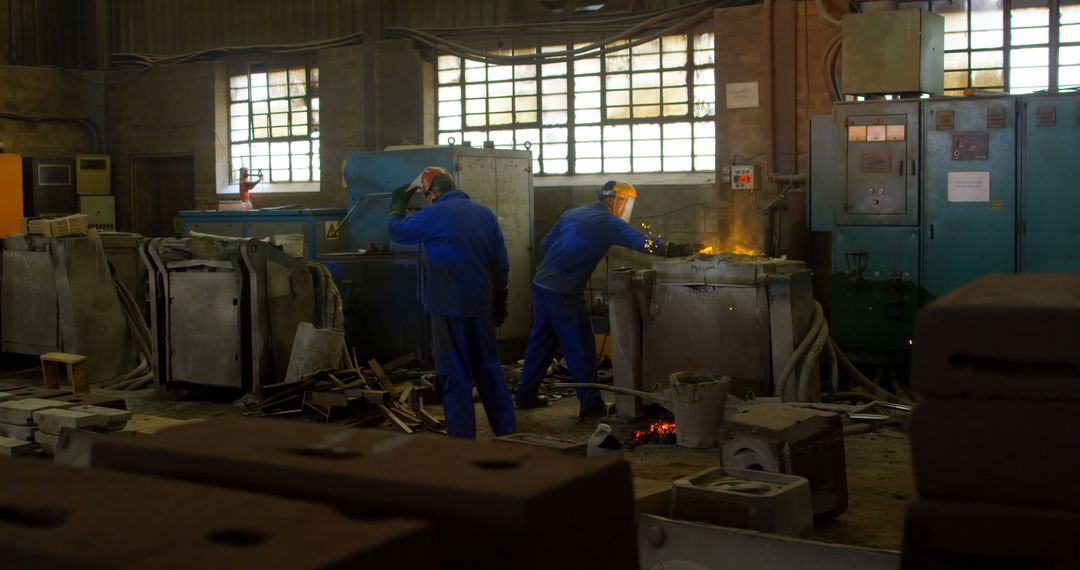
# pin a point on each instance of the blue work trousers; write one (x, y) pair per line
(565, 320)
(466, 354)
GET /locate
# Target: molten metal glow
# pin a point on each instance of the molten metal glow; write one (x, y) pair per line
(729, 248)
(655, 431)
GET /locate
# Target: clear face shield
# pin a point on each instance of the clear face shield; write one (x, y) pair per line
(623, 207)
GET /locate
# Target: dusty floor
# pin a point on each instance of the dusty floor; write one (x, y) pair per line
(880, 478)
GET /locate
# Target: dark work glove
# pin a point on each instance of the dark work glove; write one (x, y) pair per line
(681, 249)
(498, 304)
(399, 199)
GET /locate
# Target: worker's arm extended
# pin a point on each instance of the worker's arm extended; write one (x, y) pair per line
(630, 238)
(414, 229)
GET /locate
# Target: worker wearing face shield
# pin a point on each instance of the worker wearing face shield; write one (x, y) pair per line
(466, 269)
(576, 243)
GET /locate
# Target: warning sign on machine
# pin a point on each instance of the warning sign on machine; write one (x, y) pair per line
(332, 229)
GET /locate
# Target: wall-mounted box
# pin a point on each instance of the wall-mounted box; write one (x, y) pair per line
(100, 212)
(897, 51)
(93, 174)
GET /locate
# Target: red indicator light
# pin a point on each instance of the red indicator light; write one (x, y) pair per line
(742, 179)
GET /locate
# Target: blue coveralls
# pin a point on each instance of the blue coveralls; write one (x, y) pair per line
(464, 254)
(578, 241)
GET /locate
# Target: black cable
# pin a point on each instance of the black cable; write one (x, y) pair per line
(681, 208)
(96, 142)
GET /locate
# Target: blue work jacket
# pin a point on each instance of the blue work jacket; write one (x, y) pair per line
(577, 242)
(464, 253)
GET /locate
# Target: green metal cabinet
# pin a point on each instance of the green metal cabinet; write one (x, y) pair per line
(875, 290)
(875, 147)
(969, 191)
(1050, 183)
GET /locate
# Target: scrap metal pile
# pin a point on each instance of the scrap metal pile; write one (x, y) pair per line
(387, 394)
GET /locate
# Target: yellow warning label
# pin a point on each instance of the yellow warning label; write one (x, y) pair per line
(332, 230)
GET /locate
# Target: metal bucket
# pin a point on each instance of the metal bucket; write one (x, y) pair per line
(698, 404)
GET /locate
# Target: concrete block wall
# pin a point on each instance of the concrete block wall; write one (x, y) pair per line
(44, 91)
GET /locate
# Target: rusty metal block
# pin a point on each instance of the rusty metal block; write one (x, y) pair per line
(1006, 452)
(62, 517)
(797, 441)
(564, 446)
(747, 499)
(947, 535)
(521, 500)
(1006, 336)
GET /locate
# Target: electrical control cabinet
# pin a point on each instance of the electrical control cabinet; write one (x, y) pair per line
(49, 186)
(743, 177)
(876, 149)
(969, 191)
(1049, 183)
(990, 186)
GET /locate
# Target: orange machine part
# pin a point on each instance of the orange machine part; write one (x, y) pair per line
(11, 194)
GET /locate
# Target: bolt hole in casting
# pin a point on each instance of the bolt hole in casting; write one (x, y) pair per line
(238, 537)
(35, 517)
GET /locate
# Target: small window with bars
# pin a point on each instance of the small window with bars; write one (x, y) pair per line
(649, 108)
(274, 122)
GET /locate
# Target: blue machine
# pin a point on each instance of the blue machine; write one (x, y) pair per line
(919, 197)
(321, 227)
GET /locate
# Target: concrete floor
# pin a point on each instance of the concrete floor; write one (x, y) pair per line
(880, 478)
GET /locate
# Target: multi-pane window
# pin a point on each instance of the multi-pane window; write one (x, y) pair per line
(649, 108)
(274, 122)
(1008, 45)
(1069, 47)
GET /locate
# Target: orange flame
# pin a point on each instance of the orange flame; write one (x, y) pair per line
(730, 248)
(656, 430)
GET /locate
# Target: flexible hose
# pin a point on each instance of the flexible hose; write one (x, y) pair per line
(824, 14)
(808, 339)
(865, 382)
(809, 364)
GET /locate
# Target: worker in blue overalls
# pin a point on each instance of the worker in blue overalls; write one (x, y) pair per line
(578, 241)
(466, 270)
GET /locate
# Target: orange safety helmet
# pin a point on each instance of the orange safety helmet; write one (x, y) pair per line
(623, 195)
(423, 181)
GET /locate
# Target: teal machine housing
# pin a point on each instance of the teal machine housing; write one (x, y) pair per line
(918, 197)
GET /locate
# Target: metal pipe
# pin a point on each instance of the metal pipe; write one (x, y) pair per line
(656, 396)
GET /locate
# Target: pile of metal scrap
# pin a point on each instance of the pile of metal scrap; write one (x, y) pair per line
(361, 397)
(63, 295)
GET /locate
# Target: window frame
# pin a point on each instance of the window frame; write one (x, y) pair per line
(311, 125)
(541, 77)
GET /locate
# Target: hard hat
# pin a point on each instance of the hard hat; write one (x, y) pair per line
(615, 189)
(623, 196)
(423, 180)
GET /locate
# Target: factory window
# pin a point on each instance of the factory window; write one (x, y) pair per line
(274, 122)
(1015, 46)
(650, 108)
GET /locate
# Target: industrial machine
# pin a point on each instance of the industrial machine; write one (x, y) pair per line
(93, 174)
(11, 194)
(59, 295)
(49, 186)
(224, 312)
(736, 315)
(919, 197)
(322, 229)
(498, 179)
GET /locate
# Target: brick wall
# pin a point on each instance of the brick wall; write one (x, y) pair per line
(42, 91)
